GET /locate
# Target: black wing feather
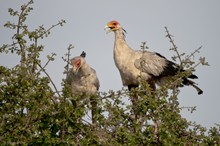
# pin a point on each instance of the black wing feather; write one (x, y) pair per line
(172, 68)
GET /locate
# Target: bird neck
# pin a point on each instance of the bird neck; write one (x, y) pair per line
(119, 35)
(121, 45)
(84, 70)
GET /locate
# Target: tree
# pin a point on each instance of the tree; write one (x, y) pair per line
(34, 112)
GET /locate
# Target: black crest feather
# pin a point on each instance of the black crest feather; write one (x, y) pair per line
(83, 54)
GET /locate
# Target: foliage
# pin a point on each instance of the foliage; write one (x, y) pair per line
(34, 113)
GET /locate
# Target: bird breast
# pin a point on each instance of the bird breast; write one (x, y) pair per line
(125, 64)
(85, 81)
(84, 85)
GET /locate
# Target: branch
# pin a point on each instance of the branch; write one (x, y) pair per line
(34, 56)
(23, 8)
(174, 46)
(49, 59)
(49, 29)
(50, 79)
(68, 58)
(193, 53)
(18, 38)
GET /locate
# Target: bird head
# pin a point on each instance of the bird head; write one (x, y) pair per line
(77, 63)
(112, 25)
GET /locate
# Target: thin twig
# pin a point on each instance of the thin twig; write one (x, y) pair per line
(188, 107)
(18, 31)
(50, 80)
(87, 122)
(43, 68)
(68, 58)
(48, 30)
(192, 54)
(34, 56)
(196, 65)
(174, 46)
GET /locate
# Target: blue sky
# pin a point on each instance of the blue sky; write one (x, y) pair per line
(193, 23)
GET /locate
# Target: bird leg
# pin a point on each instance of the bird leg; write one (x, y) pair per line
(94, 108)
(152, 87)
(134, 98)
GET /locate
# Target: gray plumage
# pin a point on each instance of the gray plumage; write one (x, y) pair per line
(82, 77)
(84, 81)
(153, 67)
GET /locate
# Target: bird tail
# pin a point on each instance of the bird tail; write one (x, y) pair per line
(193, 84)
(197, 88)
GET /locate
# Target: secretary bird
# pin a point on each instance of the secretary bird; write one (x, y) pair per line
(153, 67)
(84, 81)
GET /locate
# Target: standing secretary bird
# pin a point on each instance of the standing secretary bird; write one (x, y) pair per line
(83, 81)
(153, 67)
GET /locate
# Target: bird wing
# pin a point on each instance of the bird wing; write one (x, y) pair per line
(95, 79)
(155, 64)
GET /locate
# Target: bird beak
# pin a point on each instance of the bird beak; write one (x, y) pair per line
(107, 27)
(76, 65)
(75, 69)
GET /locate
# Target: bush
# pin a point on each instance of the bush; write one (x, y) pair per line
(34, 113)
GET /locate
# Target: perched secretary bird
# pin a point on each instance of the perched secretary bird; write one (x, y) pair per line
(153, 67)
(83, 81)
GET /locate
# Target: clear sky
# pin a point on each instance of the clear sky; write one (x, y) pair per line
(193, 23)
